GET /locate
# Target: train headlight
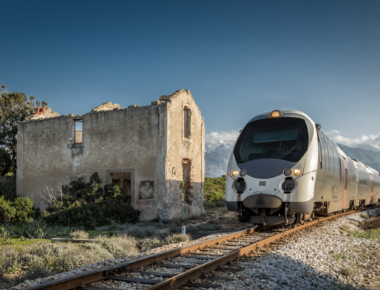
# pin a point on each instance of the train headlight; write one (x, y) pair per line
(297, 172)
(243, 172)
(287, 172)
(275, 114)
(235, 173)
(240, 185)
(288, 185)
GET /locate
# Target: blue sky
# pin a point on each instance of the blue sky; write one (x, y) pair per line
(238, 58)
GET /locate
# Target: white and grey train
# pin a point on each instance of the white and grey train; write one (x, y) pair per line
(283, 169)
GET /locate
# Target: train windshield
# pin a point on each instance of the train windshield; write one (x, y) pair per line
(271, 141)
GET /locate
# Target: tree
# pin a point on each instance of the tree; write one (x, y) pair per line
(14, 108)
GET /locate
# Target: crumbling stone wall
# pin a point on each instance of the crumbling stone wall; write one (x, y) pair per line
(180, 148)
(146, 143)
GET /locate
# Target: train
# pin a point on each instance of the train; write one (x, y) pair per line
(283, 170)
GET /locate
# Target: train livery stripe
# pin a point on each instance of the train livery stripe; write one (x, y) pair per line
(370, 197)
(345, 183)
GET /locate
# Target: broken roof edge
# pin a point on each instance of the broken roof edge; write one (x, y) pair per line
(160, 102)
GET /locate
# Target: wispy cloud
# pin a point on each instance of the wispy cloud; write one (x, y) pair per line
(367, 140)
(215, 137)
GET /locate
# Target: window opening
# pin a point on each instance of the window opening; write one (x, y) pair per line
(123, 180)
(187, 122)
(78, 131)
(340, 171)
(186, 186)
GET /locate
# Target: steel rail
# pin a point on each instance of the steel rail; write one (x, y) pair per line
(195, 273)
(80, 280)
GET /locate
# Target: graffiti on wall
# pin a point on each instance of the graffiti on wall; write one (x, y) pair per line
(146, 190)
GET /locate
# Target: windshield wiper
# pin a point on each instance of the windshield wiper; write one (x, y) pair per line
(288, 152)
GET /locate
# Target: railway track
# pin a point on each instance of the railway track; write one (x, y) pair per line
(186, 264)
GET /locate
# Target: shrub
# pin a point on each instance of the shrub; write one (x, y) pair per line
(24, 209)
(35, 229)
(7, 211)
(214, 189)
(176, 238)
(90, 206)
(149, 243)
(119, 246)
(79, 235)
(140, 231)
(346, 272)
(18, 212)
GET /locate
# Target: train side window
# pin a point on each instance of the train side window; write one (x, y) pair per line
(324, 164)
(336, 158)
(319, 151)
(340, 171)
(332, 156)
(328, 153)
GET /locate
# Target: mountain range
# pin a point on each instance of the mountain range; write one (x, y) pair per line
(216, 156)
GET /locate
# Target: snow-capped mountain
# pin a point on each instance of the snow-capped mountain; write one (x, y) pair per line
(368, 157)
(216, 157)
(217, 153)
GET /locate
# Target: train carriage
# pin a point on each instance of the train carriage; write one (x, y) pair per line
(283, 169)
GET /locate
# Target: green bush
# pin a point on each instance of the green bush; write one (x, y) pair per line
(214, 189)
(7, 211)
(24, 210)
(89, 205)
(17, 212)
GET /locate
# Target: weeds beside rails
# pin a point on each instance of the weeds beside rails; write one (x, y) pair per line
(41, 260)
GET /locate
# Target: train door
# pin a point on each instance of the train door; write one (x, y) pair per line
(370, 196)
(345, 183)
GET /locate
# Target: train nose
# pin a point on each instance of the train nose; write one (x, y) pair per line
(262, 201)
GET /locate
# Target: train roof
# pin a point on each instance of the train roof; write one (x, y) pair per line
(285, 112)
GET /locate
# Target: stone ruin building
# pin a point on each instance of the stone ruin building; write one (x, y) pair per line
(154, 153)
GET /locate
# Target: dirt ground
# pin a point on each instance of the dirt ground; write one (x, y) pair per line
(372, 224)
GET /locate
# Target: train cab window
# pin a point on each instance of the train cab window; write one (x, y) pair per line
(285, 139)
(340, 171)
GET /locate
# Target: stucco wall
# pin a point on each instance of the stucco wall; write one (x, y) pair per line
(148, 142)
(126, 140)
(180, 148)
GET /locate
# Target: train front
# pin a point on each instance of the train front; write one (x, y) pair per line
(272, 169)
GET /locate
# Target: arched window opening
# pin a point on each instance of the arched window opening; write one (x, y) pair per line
(187, 122)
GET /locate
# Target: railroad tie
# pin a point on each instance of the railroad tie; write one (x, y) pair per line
(216, 279)
(160, 274)
(203, 285)
(175, 266)
(188, 261)
(136, 280)
(229, 270)
(198, 257)
(210, 254)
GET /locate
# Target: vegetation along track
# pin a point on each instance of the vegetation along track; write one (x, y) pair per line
(196, 260)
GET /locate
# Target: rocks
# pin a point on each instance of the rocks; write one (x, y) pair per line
(47, 113)
(106, 107)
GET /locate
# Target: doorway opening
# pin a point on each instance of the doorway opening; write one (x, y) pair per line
(123, 180)
(186, 180)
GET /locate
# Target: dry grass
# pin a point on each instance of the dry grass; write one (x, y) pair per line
(79, 235)
(37, 261)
